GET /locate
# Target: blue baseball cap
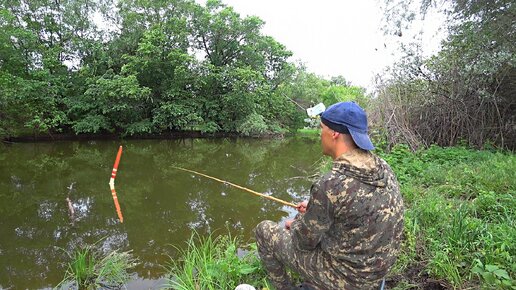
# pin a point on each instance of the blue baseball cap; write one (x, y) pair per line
(347, 117)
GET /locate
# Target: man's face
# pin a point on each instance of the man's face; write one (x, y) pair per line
(326, 140)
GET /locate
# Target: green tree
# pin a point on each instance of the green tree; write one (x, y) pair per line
(465, 92)
(112, 103)
(42, 41)
(240, 71)
(304, 88)
(151, 67)
(223, 36)
(340, 93)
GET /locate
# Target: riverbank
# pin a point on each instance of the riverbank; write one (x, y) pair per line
(459, 224)
(164, 136)
(28, 137)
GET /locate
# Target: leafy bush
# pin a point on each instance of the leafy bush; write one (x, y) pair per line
(90, 270)
(213, 263)
(254, 124)
(494, 276)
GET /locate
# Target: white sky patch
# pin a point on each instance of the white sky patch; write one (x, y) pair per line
(337, 37)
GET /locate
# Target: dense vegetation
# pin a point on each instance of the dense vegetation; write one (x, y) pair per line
(464, 92)
(460, 217)
(152, 67)
(148, 67)
(460, 226)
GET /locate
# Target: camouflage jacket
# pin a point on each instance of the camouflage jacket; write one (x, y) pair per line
(355, 215)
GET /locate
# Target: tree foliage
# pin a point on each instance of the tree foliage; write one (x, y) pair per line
(148, 67)
(466, 91)
(307, 89)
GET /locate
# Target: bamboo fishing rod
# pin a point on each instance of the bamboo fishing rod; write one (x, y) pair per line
(238, 186)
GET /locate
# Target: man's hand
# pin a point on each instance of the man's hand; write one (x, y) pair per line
(301, 207)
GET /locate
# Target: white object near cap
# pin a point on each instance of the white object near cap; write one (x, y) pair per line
(315, 110)
(245, 287)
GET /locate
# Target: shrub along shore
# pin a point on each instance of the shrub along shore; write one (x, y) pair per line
(460, 232)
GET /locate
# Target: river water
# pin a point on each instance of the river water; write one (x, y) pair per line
(161, 205)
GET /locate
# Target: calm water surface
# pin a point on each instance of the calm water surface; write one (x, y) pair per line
(161, 205)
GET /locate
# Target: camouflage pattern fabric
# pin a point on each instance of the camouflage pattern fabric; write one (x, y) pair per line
(349, 236)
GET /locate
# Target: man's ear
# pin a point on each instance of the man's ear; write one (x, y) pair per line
(335, 134)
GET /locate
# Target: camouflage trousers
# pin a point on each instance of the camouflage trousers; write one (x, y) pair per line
(277, 253)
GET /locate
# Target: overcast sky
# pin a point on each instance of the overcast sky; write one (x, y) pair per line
(334, 37)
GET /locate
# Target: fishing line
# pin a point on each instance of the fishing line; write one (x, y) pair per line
(312, 111)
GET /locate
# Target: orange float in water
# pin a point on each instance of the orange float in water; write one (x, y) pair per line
(112, 185)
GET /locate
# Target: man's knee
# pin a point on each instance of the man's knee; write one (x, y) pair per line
(265, 229)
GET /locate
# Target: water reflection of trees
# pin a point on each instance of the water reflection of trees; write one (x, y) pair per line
(161, 205)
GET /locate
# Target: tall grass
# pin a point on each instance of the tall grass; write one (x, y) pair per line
(90, 270)
(212, 263)
(460, 215)
(82, 268)
(308, 132)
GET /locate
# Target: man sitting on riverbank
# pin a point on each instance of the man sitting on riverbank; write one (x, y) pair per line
(348, 234)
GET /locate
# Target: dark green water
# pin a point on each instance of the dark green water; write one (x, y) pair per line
(161, 205)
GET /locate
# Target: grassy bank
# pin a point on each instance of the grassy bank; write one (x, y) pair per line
(460, 229)
(308, 132)
(212, 263)
(459, 220)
